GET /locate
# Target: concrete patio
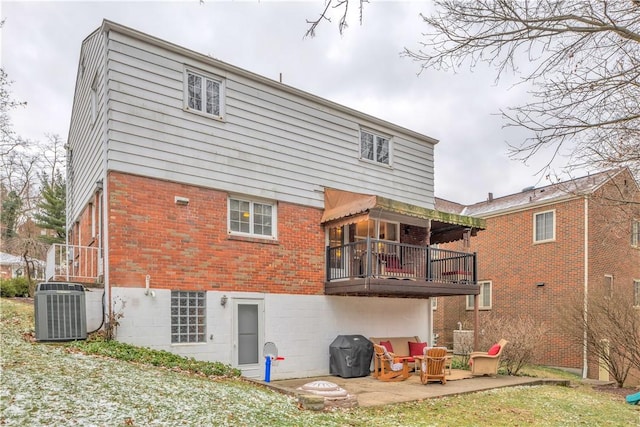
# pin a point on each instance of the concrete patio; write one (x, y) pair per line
(371, 392)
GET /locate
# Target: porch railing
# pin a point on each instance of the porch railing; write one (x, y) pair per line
(378, 258)
(74, 263)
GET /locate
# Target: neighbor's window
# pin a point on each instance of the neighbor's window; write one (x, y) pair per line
(188, 318)
(544, 226)
(374, 147)
(252, 218)
(485, 297)
(608, 285)
(204, 94)
(635, 233)
(636, 293)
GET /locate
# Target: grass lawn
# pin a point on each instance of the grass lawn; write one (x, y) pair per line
(49, 384)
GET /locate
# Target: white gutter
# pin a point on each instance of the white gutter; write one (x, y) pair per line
(585, 367)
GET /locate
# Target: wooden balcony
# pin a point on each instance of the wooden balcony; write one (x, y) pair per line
(381, 268)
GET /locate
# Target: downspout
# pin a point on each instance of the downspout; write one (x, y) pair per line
(105, 186)
(66, 209)
(585, 367)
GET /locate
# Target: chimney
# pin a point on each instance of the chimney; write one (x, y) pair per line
(490, 197)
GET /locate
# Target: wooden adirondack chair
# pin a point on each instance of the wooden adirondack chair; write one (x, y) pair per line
(385, 368)
(433, 365)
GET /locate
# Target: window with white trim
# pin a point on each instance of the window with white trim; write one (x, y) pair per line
(636, 293)
(544, 227)
(484, 301)
(608, 285)
(635, 233)
(188, 317)
(374, 147)
(252, 218)
(94, 99)
(203, 94)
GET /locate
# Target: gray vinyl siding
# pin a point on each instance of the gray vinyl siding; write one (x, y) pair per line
(274, 142)
(85, 135)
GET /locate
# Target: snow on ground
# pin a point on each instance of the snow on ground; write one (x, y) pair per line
(45, 384)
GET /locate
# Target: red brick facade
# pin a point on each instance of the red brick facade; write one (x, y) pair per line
(508, 256)
(187, 247)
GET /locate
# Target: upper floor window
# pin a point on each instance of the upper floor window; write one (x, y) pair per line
(375, 147)
(484, 299)
(252, 218)
(203, 94)
(635, 233)
(544, 226)
(377, 229)
(94, 99)
(636, 293)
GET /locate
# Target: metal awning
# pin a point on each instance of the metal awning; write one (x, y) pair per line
(345, 207)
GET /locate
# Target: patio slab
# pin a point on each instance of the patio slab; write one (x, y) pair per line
(371, 392)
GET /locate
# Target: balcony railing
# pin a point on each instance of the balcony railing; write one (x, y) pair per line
(383, 259)
(74, 263)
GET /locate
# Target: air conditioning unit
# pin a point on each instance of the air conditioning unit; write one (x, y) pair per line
(60, 312)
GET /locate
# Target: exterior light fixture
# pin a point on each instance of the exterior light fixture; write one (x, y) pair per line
(223, 300)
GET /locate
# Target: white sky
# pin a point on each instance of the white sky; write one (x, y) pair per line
(361, 69)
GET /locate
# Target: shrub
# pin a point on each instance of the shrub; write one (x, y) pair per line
(15, 287)
(524, 336)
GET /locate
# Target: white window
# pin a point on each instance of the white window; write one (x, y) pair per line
(375, 147)
(377, 229)
(544, 228)
(252, 218)
(608, 285)
(94, 99)
(635, 233)
(188, 317)
(636, 293)
(203, 94)
(485, 297)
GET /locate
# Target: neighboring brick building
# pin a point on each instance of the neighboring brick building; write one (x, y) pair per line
(217, 210)
(543, 248)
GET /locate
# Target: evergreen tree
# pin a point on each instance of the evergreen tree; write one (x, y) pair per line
(11, 205)
(51, 209)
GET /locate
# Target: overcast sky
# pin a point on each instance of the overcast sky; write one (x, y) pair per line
(361, 69)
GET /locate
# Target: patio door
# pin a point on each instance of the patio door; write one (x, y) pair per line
(248, 336)
(338, 258)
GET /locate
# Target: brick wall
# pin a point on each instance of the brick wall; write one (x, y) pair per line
(188, 247)
(508, 257)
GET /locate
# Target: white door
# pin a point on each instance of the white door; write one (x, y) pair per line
(248, 336)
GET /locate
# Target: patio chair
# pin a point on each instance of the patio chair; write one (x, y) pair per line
(433, 365)
(486, 363)
(385, 368)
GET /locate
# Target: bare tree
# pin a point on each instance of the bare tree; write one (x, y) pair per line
(611, 328)
(580, 59)
(23, 166)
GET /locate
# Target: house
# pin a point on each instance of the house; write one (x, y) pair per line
(546, 248)
(12, 266)
(219, 210)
